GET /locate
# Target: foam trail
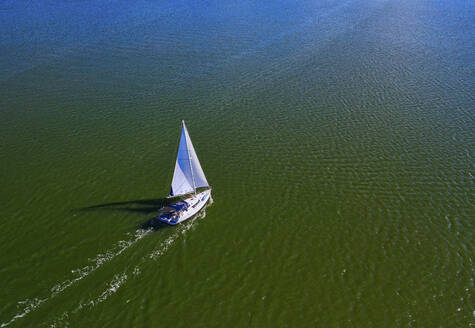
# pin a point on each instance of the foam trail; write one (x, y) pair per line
(114, 285)
(30, 306)
(120, 279)
(79, 274)
(98, 261)
(165, 245)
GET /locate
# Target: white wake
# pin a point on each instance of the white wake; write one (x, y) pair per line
(78, 274)
(120, 279)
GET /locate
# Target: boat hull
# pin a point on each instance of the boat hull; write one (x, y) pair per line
(193, 205)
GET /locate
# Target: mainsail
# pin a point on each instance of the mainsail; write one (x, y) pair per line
(188, 173)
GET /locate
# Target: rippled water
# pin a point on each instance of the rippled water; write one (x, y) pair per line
(338, 136)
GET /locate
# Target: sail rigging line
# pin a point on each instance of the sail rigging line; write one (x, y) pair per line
(189, 157)
(172, 167)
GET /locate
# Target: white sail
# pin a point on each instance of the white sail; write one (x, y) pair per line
(188, 173)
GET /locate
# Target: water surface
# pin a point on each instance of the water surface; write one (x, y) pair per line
(338, 137)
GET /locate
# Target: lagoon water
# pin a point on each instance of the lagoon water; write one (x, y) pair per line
(338, 136)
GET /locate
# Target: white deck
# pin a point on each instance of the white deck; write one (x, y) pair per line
(195, 202)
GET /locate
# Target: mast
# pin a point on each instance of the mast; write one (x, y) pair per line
(189, 158)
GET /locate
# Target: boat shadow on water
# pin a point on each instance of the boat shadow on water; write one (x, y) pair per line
(144, 206)
(188, 178)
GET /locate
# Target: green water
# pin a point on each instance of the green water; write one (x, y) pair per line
(338, 137)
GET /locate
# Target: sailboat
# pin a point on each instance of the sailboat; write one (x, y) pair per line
(187, 178)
